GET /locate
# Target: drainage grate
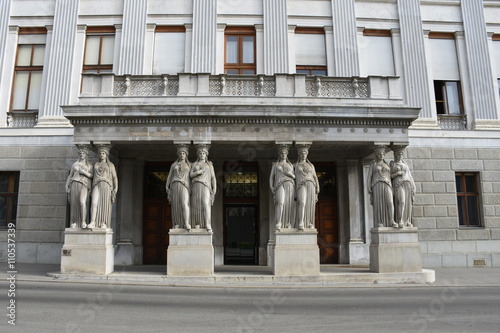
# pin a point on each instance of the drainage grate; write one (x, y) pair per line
(479, 262)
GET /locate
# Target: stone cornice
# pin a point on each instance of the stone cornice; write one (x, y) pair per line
(241, 121)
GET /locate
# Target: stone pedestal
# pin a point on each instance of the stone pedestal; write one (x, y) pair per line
(87, 251)
(190, 253)
(395, 250)
(296, 252)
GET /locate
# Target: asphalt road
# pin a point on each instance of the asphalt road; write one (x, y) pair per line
(77, 307)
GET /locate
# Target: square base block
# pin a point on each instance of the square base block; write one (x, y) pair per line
(190, 253)
(395, 250)
(296, 252)
(87, 251)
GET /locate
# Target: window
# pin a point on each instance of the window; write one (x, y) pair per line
(28, 70)
(9, 188)
(496, 57)
(377, 55)
(446, 74)
(99, 50)
(448, 97)
(310, 51)
(467, 199)
(169, 50)
(240, 50)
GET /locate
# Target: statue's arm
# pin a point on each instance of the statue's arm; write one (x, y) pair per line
(68, 180)
(271, 177)
(369, 178)
(212, 178)
(114, 178)
(169, 178)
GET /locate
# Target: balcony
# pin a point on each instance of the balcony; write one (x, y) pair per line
(453, 122)
(280, 107)
(22, 119)
(279, 85)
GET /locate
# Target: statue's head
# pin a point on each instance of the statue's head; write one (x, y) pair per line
(182, 150)
(83, 151)
(379, 153)
(398, 153)
(103, 152)
(202, 150)
(303, 150)
(283, 151)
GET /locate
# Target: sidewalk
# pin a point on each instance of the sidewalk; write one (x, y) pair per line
(261, 276)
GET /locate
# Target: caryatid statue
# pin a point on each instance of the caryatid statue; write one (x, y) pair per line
(104, 189)
(178, 189)
(203, 188)
(282, 183)
(78, 186)
(306, 187)
(380, 190)
(403, 187)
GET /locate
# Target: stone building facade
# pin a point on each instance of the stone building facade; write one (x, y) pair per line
(245, 77)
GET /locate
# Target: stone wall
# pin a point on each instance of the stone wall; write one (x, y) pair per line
(444, 243)
(42, 200)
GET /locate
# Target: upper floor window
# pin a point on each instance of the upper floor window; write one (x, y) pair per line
(468, 198)
(496, 57)
(9, 188)
(446, 74)
(169, 51)
(28, 70)
(448, 97)
(376, 53)
(240, 50)
(310, 51)
(99, 50)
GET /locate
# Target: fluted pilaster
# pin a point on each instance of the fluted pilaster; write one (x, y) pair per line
(203, 58)
(60, 64)
(4, 27)
(345, 41)
(133, 37)
(275, 37)
(415, 70)
(478, 61)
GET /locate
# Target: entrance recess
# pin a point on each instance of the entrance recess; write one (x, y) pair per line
(157, 219)
(326, 214)
(241, 215)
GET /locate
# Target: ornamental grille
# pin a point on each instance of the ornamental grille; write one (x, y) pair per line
(327, 183)
(22, 120)
(146, 87)
(241, 184)
(154, 184)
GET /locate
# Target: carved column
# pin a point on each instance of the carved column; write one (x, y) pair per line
(358, 252)
(59, 66)
(479, 65)
(124, 229)
(345, 43)
(4, 27)
(414, 59)
(4, 37)
(203, 59)
(275, 17)
(133, 37)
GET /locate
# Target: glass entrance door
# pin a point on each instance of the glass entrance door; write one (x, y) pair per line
(241, 235)
(241, 215)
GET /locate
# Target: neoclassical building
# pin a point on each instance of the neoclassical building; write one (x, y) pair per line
(244, 77)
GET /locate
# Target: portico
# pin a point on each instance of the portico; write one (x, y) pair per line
(243, 136)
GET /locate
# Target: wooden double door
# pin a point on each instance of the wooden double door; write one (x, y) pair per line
(240, 218)
(326, 214)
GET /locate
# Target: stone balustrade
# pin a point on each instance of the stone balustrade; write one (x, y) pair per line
(279, 85)
(22, 119)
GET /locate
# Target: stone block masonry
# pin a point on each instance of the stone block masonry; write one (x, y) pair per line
(436, 211)
(42, 200)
